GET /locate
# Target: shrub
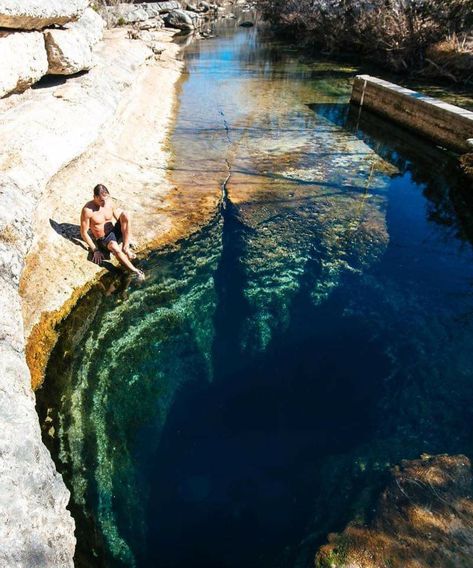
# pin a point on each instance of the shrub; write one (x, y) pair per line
(394, 32)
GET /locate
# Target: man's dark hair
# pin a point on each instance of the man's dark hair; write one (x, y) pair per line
(100, 190)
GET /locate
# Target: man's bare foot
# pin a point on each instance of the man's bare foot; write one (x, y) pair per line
(139, 275)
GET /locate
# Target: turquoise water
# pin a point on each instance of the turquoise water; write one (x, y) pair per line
(248, 398)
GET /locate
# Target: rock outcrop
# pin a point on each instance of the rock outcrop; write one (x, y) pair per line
(70, 49)
(36, 530)
(27, 56)
(134, 13)
(182, 20)
(424, 519)
(171, 12)
(37, 14)
(23, 60)
(158, 8)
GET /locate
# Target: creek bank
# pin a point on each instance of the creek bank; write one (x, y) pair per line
(59, 140)
(115, 137)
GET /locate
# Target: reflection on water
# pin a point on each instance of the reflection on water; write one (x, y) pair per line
(247, 399)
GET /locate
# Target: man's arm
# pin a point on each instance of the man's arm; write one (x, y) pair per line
(84, 233)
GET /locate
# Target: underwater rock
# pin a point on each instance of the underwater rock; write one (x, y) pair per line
(423, 519)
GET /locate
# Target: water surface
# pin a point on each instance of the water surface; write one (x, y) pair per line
(250, 396)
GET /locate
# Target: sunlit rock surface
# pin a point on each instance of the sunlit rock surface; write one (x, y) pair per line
(24, 60)
(37, 14)
(36, 530)
(70, 49)
(423, 519)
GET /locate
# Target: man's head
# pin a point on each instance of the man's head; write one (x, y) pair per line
(100, 194)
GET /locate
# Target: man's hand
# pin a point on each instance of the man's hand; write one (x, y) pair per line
(97, 257)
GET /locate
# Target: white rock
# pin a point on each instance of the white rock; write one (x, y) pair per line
(136, 15)
(91, 25)
(161, 7)
(36, 530)
(70, 50)
(37, 14)
(182, 20)
(151, 24)
(23, 60)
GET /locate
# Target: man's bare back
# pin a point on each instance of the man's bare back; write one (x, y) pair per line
(98, 216)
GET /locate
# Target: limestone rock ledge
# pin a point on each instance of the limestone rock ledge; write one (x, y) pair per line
(70, 49)
(37, 14)
(41, 131)
(36, 530)
(424, 519)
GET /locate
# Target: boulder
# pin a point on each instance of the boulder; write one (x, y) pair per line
(70, 50)
(135, 15)
(192, 8)
(90, 25)
(23, 60)
(156, 23)
(206, 7)
(165, 6)
(182, 20)
(37, 14)
(157, 8)
(201, 7)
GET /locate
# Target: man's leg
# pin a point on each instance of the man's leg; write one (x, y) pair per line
(126, 234)
(123, 259)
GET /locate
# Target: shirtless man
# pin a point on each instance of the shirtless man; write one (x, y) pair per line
(99, 215)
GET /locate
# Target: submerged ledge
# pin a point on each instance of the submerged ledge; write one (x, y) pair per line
(422, 519)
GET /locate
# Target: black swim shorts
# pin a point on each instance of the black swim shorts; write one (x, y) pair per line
(114, 235)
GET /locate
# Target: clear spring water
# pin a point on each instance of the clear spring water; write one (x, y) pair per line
(249, 397)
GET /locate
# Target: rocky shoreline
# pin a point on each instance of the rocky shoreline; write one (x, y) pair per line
(60, 139)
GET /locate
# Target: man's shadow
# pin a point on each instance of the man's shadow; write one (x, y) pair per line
(71, 232)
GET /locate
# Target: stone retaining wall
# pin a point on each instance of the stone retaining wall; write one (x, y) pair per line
(447, 125)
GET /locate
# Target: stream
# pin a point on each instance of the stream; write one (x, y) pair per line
(251, 395)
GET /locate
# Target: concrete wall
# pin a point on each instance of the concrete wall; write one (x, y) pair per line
(445, 124)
